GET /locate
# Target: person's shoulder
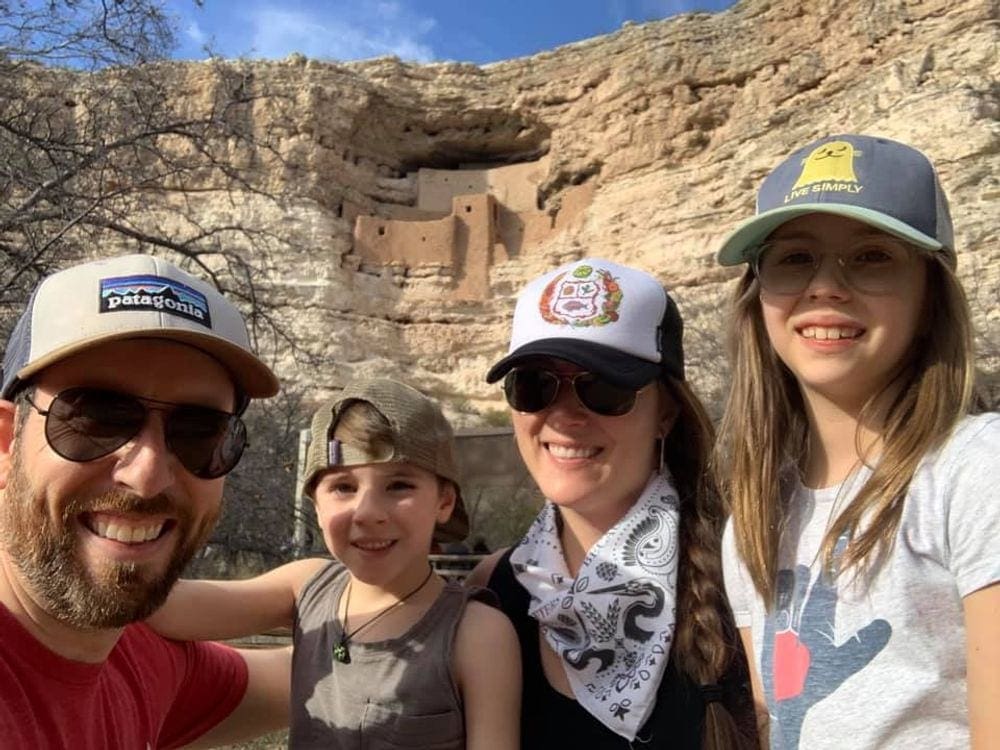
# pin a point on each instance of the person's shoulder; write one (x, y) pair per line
(985, 425)
(139, 645)
(139, 637)
(300, 573)
(974, 439)
(481, 574)
(316, 578)
(483, 629)
(960, 471)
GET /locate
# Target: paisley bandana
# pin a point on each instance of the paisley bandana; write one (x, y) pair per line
(613, 624)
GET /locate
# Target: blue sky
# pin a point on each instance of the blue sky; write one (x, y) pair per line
(479, 31)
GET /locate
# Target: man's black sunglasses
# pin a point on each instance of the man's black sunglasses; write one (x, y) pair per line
(531, 389)
(83, 424)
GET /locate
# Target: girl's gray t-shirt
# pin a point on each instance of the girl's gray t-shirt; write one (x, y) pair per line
(879, 663)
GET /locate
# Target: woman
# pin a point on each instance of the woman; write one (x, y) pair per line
(616, 590)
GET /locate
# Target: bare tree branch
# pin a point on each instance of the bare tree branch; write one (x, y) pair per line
(106, 147)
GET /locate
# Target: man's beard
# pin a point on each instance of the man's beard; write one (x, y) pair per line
(111, 596)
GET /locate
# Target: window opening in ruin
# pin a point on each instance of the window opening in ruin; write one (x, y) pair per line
(381, 231)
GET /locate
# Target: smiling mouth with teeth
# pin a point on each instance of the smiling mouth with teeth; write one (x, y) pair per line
(119, 530)
(374, 546)
(563, 451)
(830, 333)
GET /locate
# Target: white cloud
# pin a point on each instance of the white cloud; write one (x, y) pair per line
(348, 31)
(194, 33)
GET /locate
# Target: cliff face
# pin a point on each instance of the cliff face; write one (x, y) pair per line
(645, 147)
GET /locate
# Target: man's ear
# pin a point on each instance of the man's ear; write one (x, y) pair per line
(8, 420)
(446, 501)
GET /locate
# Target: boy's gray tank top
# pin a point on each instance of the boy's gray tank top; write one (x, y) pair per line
(397, 693)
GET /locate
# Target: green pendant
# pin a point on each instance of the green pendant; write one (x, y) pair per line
(341, 654)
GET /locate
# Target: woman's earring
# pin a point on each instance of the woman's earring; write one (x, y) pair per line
(663, 443)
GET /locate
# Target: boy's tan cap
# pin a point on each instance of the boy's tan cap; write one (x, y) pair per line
(127, 297)
(421, 434)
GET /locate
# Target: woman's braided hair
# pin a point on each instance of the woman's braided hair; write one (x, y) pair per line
(706, 644)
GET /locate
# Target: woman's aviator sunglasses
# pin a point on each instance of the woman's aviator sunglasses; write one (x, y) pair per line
(531, 389)
(84, 424)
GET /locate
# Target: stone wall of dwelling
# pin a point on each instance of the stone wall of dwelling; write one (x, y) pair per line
(513, 185)
(480, 228)
(476, 217)
(385, 241)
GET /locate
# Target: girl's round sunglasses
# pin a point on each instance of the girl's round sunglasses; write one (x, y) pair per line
(876, 265)
(531, 389)
(84, 424)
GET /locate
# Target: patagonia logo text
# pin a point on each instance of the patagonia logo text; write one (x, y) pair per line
(145, 292)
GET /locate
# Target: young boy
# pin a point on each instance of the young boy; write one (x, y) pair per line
(383, 647)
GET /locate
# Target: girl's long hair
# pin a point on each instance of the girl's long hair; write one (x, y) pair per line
(764, 430)
(706, 645)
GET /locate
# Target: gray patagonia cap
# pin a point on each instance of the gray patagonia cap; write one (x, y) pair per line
(885, 184)
(421, 435)
(128, 297)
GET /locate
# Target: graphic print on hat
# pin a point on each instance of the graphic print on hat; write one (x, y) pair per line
(146, 292)
(801, 664)
(832, 161)
(584, 296)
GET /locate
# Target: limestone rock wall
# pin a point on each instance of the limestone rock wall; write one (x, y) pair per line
(669, 125)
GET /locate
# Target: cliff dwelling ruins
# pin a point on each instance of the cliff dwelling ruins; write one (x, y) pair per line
(463, 221)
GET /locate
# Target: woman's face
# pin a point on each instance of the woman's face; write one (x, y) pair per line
(592, 464)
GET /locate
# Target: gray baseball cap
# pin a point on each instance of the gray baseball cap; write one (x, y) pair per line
(421, 435)
(883, 183)
(128, 297)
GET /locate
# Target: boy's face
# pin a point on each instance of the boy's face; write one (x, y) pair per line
(378, 519)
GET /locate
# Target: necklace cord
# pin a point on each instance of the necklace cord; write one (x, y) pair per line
(387, 610)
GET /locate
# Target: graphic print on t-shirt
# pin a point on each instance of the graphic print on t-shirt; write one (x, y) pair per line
(801, 663)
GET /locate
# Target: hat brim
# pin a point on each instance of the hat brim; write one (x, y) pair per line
(611, 364)
(248, 372)
(742, 244)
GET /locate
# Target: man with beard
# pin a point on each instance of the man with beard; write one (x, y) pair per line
(122, 388)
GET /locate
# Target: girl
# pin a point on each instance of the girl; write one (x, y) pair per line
(385, 652)
(616, 590)
(861, 558)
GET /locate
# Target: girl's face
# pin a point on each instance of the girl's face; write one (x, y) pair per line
(843, 344)
(586, 462)
(378, 519)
